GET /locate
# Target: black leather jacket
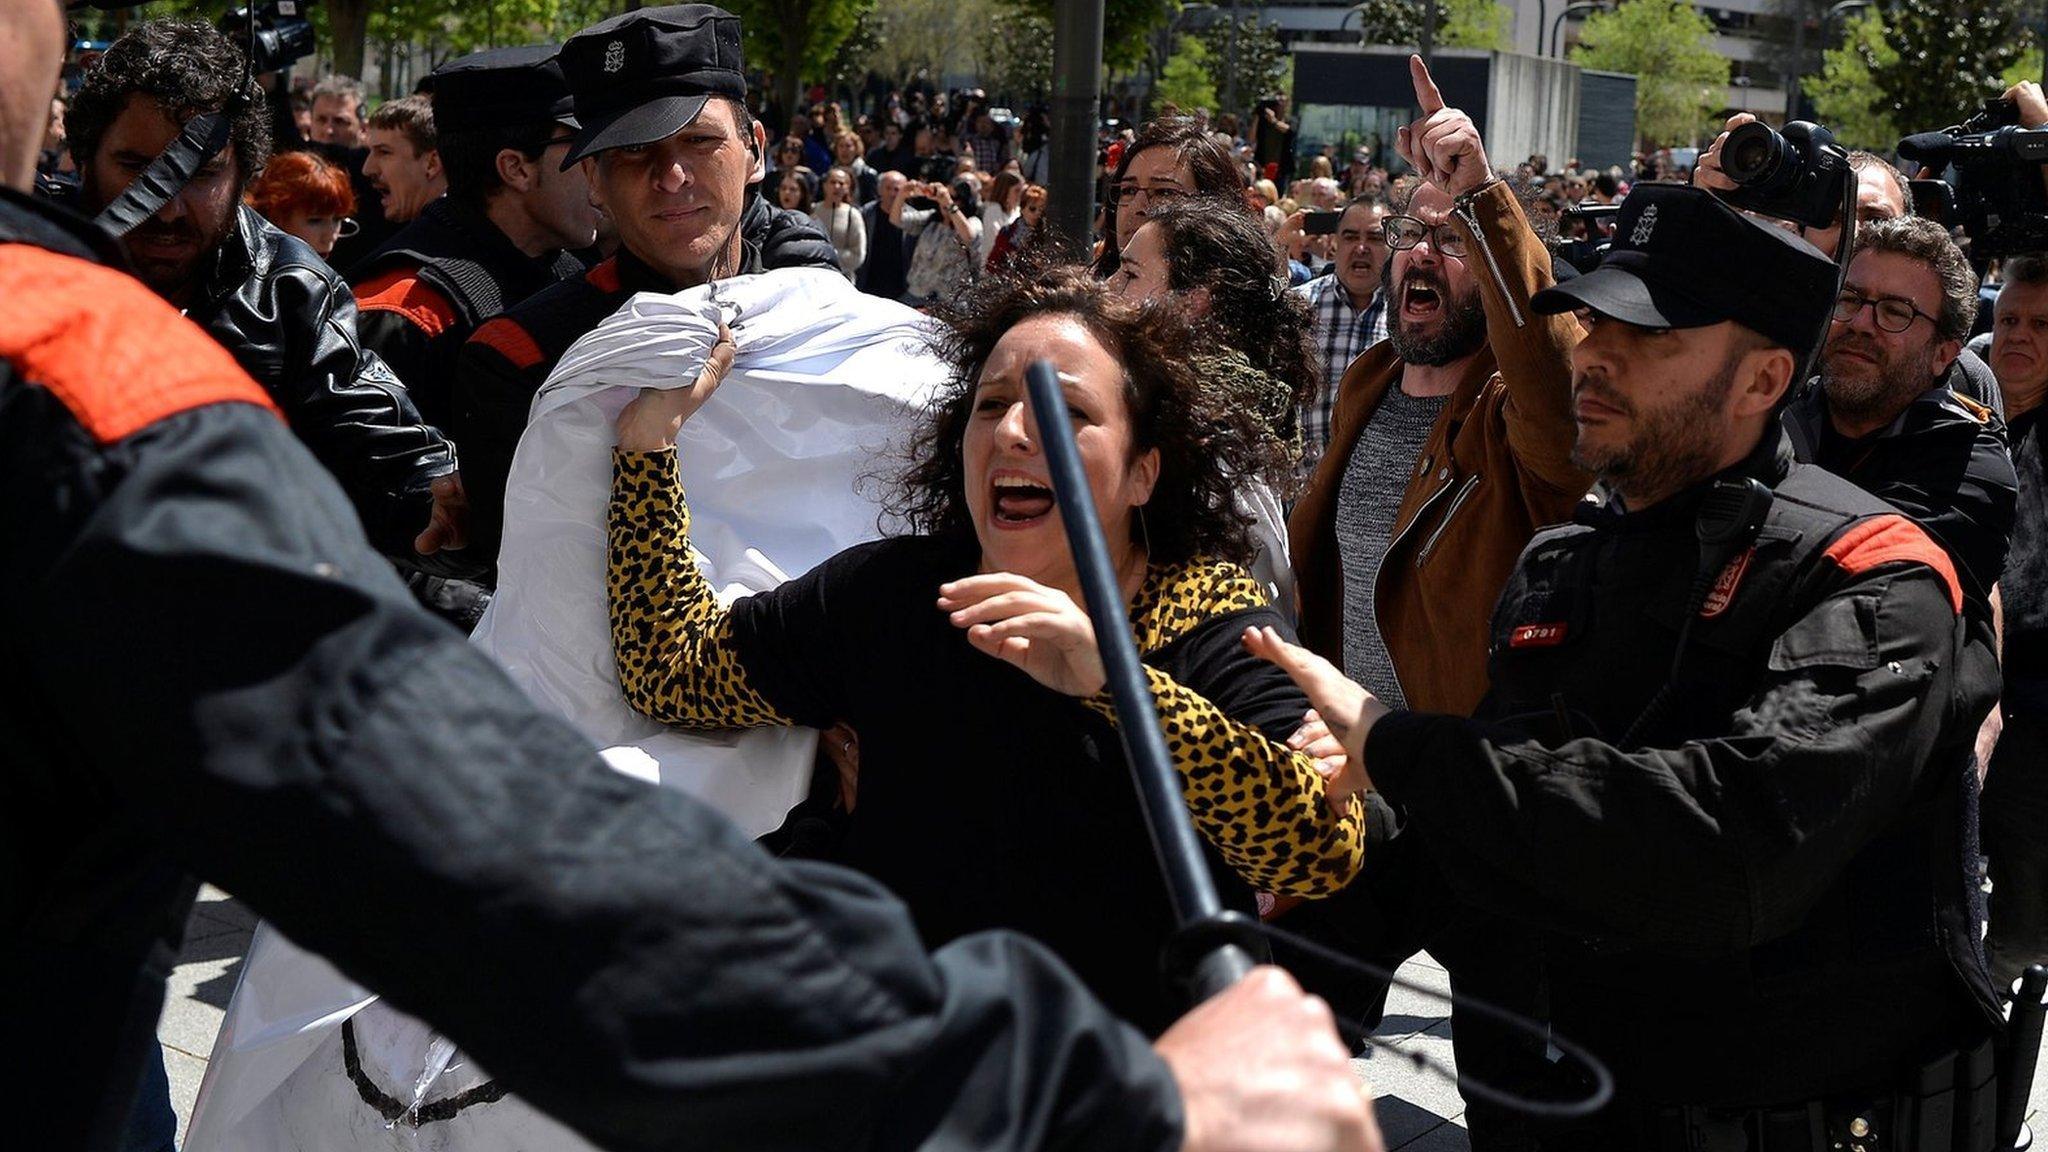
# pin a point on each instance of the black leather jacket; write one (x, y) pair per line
(290, 321)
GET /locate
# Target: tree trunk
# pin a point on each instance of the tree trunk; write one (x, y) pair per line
(789, 72)
(349, 21)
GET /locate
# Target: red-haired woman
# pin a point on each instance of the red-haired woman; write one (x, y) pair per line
(306, 196)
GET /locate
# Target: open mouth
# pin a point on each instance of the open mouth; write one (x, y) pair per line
(1420, 300)
(1020, 502)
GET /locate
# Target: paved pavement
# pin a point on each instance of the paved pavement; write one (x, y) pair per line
(1419, 1111)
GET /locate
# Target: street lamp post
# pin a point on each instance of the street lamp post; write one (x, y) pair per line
(1565, 13)
(1230, 64)
(1076, 104)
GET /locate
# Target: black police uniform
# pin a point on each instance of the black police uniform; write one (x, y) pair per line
(423, 294)
(204, 668)
(1751, 887)
(637, 79)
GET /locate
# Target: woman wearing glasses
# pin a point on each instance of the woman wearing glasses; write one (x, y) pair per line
(1173, 157)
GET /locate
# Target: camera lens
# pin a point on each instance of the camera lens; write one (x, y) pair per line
(1757, 156)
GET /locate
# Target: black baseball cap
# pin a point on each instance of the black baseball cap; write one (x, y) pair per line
(1682, 258)
(503, 87)
(644, 76)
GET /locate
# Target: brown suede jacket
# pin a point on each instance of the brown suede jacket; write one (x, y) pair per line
(1496, 467)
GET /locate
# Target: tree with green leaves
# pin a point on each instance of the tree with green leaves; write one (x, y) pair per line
(1127, 26)
(1669, 46)
(1185, 81)
(1844, 95)
(1262, 63)
(927, 38)
(796, 40)
(1016, 56)
(1459, 23)
(1949, 57)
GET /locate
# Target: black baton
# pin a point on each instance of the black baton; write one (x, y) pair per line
(2023, 1051)
(1196, 907)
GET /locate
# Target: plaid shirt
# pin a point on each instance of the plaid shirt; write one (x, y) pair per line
(1342, 332)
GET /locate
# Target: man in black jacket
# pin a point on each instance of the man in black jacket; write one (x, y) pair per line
(1894, 415)
(1723, 765)
(267, 297)
(202, 666)
(507, 228)
(673, 155)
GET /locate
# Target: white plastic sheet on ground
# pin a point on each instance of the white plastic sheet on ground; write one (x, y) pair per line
(783, 468)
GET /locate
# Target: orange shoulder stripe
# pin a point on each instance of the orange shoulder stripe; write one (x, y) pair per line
(1889, 539)
(401, 291)
(115, 355)
(505, 337)
(604, 275)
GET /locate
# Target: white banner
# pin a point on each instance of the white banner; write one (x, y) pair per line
(783, 468)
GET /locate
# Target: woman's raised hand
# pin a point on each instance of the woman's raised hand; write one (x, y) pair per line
(651, 422)
(1039, 629)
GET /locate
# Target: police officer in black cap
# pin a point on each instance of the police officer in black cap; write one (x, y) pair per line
(1722, 770)
(674, 157)
(508, 227)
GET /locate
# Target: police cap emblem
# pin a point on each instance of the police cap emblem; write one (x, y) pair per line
(615, 56)
(1645, 224)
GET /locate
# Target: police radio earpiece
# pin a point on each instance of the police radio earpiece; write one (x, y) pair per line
(1730, 517)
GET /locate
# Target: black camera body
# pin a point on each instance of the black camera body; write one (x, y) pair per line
(1799, 174)
(2000, 200)
(281, 37)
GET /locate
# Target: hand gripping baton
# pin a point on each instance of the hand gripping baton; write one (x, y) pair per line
(1206, 943)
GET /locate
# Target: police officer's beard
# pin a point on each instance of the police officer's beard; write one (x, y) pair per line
(1460, 325)
(1669, 450)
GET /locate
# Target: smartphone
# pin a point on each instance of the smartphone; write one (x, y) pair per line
(1316, 222)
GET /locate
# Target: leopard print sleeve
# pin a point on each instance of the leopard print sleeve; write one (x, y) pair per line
(673, 642)
(1262, 804)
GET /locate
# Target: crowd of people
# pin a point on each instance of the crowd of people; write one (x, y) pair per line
(1506, 586)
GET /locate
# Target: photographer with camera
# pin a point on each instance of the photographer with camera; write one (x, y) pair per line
(265, 296)
(1799, 176)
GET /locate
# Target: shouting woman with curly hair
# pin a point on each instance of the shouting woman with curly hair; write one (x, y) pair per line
(993, 792)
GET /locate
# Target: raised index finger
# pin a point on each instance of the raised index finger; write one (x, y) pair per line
(1427, 97)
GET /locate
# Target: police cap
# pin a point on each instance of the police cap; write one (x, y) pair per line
(644, 76)
(1684, 259)
(500, 88)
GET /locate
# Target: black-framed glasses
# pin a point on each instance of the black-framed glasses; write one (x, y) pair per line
(1405, 232)
(1894, 313)
(1127, 194)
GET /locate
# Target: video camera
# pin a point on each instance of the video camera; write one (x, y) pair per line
(1798, 174)
(2001, 201)
(275, 33)
(279, 35)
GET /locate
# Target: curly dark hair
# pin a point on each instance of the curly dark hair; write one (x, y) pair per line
(1208, 446)
(1218, 245)
(1215, 172)
(185, 66)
